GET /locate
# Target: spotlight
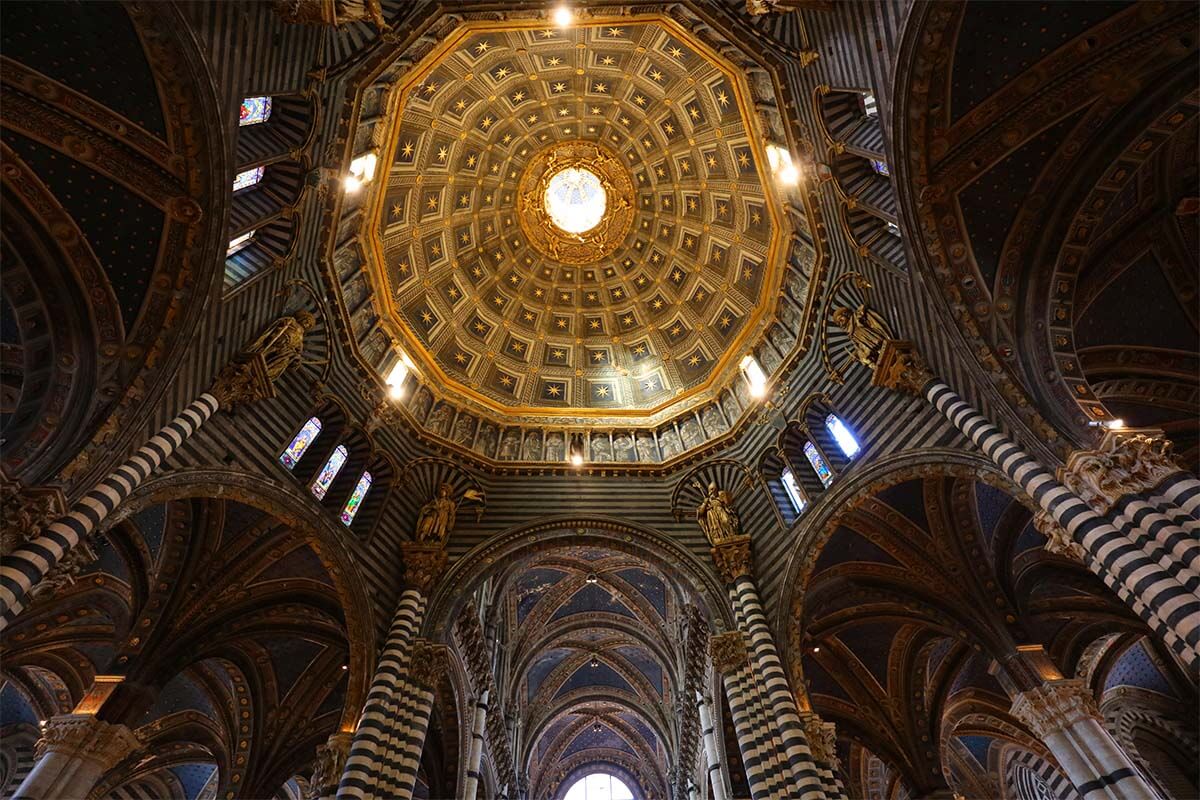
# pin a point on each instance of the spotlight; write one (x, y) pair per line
(345, 667)
(591, 578)
(816, 649)
(594, 663)
(351, 184)
(562, 16)
(575, 450)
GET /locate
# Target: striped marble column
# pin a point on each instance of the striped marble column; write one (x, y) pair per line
(780, 779)
(1159, 599)
(248, 378)
(822, 740)
(1063, 714)
(712, 756)
(429, 665)
(730, 660)
(475, 756)
(28, 565)
(362, 772)
(733, 560)
(1180, 490)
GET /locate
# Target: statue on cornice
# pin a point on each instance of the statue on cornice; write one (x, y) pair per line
(437, 517)
(717, 517)
(282, 344)
(868, 332)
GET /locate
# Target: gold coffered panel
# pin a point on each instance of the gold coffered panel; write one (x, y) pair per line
(649, 310)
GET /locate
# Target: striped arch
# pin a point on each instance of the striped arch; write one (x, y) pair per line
(1028, 776)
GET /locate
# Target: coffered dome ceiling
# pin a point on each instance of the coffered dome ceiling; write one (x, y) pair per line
(579, 227)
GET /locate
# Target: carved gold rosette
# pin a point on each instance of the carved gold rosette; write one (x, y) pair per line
(552, 241)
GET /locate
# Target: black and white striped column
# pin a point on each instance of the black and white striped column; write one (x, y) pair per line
(428, 665)
(1159, 599)
(778, 775)
(27, 566)
(752, 751)
(1180, 490)
(712, 756)
(769, 671)
(361, 775)
(475, 756)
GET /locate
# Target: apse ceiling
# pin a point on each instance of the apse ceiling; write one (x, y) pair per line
(578, 226)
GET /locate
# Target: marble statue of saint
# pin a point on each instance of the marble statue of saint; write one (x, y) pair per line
(510, 445)
(716, 516)
(282, 344)
(623, 448)
(554, 447)
(868, 332)
(645, 447)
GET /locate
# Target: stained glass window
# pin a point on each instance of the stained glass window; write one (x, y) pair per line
(329, 472)
(356, 498)
(793, 490)
(295, 451)
(842, 435)
(248, 178)
(255, 110)
(818, 464)
(880, 167)
(238, 242)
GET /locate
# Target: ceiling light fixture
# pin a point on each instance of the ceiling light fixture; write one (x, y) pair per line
(562, 16)
(395, 378)
(756, 379)
(591, 578)
(780, 159)
(594, 663)
(575, 450)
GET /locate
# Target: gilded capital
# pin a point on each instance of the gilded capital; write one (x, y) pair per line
(423, 565)
(1125, 462)
(728, 651)
(84, 737)
(328, 765)
(1055, 706)
(733, 559)
(901, 368)
(251, 375)
(430, 662)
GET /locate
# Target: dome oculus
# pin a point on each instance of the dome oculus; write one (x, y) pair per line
(575, 200)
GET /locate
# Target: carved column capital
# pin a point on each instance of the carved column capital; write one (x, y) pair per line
(1058, 540)
(423, 565)
(242, 382)
(728, 651)
(84, 737)
(901, 368)
(1055, 706)
(733, 559)
(430, 663)
(329, 764)
(822, 739)
(1125, 462)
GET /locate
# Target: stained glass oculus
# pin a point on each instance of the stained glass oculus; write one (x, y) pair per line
(575, 200)
(328, 472)
(295, 451)
(255, 110)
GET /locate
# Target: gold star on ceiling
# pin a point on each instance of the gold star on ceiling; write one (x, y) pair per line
(553, 389)
(460, 358)
(505, 380)
(601, 391)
